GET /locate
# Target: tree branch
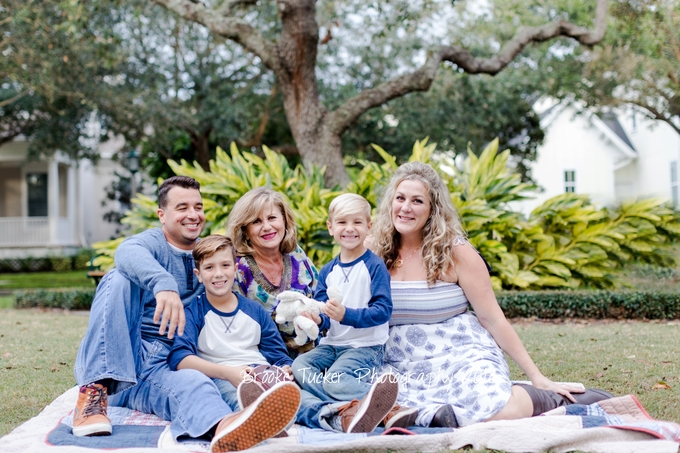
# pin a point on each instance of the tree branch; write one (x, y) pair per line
(8, 138)
(421, 79)
(14, 99)
(229, 6)
(656, 114)
(231, 28)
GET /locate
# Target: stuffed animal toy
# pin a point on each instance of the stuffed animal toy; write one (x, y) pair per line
(291, 306)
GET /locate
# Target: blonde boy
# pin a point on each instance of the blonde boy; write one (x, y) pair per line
(343, 365)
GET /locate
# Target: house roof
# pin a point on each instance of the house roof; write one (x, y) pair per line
(612, 122)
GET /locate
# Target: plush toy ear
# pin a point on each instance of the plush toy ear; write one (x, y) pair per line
(334, 293)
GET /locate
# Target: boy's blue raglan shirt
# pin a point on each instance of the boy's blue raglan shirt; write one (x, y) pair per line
(245, 336)
(365, 286)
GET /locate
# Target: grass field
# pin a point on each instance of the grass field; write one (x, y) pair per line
(30, 280)
(37, 352)
(38, 348)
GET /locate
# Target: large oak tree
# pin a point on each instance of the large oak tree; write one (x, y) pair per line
(289, 47)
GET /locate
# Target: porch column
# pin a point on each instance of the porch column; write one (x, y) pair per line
(73, 204)
(53, 200)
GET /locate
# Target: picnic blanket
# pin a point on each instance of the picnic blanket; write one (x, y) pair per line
(618, 425)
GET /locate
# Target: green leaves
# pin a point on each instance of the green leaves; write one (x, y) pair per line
(567, 242)
(231, 176)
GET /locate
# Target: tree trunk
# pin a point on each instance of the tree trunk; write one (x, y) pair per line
(307, 117)
(201, 143)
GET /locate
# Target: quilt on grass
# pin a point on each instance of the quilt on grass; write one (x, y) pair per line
(617, 425)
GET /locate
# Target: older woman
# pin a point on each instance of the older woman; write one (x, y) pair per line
(450, 360)
(270, 261)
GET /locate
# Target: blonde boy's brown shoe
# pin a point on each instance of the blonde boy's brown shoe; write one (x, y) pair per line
(363, 416)
(89, 416)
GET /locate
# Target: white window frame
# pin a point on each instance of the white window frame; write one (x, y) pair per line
(569, 181)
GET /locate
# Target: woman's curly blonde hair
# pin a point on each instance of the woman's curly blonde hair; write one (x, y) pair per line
(440, 231)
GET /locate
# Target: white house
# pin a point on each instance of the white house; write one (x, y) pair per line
(611, 157)
(53, 205)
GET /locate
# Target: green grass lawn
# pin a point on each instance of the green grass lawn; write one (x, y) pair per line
(38, 348)
(37, 352)
(621, 357)
(31, 280)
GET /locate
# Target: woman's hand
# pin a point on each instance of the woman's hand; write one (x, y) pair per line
(544, 383)
(313, 316)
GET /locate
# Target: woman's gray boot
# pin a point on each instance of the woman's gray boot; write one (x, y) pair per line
(546, 400)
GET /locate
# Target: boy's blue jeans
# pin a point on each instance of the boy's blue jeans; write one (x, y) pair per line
(228, 392)
(338, 373)
(141, 379)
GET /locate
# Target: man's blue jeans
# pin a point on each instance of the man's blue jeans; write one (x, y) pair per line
(140, 377)
(338, 373)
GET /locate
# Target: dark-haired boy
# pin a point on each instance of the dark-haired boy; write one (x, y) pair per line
(226, 335)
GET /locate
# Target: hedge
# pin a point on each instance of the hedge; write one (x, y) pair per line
(590, 304)
(80, 260)
(69, 299)
(515, 304)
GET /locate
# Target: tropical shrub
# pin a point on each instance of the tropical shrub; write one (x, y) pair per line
(565, 243)
(231, 175)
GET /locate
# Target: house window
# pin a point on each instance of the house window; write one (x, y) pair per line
(570, 180)
(37, 194)
(674, 182)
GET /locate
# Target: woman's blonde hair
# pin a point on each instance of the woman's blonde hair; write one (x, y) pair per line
(439, 232)
(248, 209)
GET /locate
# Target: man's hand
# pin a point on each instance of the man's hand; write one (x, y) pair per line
(334, 310)
(169, 305)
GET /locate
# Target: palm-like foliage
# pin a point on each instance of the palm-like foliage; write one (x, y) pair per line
(565, 243)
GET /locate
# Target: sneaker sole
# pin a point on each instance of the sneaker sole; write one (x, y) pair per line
(95, 429)
(380, 400)
(404, 419)
(248, 392)
(262, 420)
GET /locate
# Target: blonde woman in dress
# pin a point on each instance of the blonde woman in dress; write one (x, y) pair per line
(450, 359)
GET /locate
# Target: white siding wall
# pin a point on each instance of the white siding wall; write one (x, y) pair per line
(572, 142)
(83, 223)
(657, 145)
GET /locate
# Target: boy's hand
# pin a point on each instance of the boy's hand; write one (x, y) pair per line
(334, 310)
(236, 374)
(288, 369)
(313, 316)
